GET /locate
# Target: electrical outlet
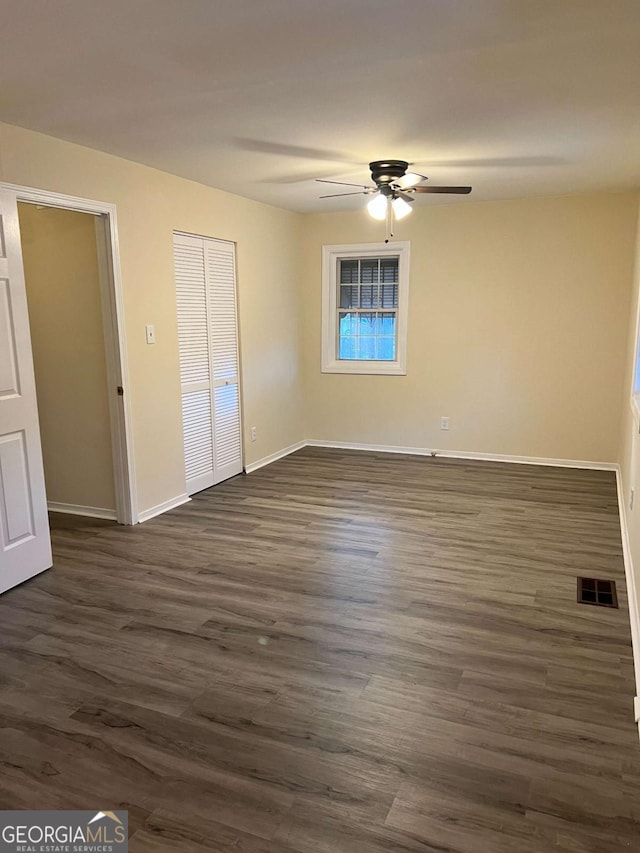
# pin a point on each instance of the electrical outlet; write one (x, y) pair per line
(254, 433)
(444, 423)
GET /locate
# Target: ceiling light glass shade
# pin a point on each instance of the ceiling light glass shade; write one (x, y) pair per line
(400, 208)
(377, 207)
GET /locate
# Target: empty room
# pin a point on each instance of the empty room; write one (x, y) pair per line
(320, 426)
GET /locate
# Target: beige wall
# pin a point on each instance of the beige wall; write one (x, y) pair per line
(150, 205)
(630, 464)
(65, 316)
(517, 330)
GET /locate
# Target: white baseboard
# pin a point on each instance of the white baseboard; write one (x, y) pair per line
(463, 454)
(273, 457)
(76, 509)
(165, 506)
(429, 451)
(632, 592)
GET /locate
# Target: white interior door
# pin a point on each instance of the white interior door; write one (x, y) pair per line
(209, 363)
(25, 545)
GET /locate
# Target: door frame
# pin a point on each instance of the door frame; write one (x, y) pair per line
(114, 337)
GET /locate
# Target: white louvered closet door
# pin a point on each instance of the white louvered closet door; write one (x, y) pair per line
(220, 272)
(209, 365)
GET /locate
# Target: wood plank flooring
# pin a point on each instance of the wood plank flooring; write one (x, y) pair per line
(341, 653)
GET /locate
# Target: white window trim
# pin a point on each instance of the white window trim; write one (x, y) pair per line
(330, 257)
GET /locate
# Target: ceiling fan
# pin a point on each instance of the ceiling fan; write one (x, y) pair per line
(394, 190)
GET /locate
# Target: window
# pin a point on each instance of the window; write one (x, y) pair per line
(365, 289)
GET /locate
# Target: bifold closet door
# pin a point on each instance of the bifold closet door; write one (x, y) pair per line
(209, 364)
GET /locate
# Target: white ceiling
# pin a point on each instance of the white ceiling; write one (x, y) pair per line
(516, 97)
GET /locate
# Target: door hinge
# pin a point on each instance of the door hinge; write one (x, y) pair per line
(120, 391)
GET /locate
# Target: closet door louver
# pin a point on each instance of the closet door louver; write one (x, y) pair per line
(223, 332)
(208, 343)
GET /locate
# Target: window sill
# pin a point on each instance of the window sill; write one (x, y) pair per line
(370, 368)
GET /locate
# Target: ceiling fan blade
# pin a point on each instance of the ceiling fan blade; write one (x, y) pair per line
(342, 183)
(339, 195)
(410, 179)
(403, 196)
(453, 190)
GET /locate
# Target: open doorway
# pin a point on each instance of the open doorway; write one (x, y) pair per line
(25, 543)
(62, 277)
(102, 354)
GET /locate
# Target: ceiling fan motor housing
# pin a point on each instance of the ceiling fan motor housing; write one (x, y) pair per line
(386, 171)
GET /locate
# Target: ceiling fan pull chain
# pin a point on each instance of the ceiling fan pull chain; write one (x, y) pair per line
(389, 221)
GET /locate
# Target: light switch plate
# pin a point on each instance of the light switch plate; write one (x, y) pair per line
(151, 334)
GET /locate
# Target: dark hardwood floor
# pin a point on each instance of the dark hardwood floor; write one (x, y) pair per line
(340, 653)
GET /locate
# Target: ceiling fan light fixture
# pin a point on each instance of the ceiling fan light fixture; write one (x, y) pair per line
(377, 207)
(400, 208)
